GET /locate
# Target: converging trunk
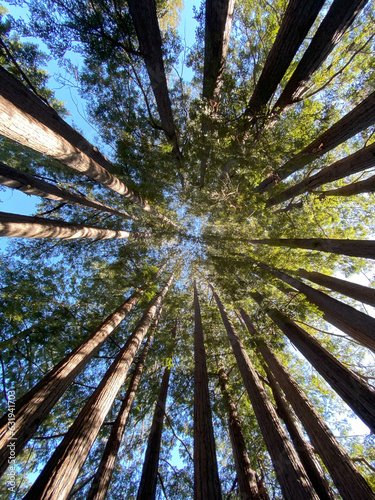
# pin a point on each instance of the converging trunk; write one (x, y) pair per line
(58, 476)
(366, 186)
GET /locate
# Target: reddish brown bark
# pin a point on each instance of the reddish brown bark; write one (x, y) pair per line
(366, 186)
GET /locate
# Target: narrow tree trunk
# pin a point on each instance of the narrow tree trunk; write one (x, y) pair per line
(358, 292)
(206, 475)
(246, 477)
(26, 119)
(353, 248)
(218, 25)
(361, 117)
(24, 226)
(338, 19)
(366, 186)
(34, 407)
(144, 16)
(290, 473)
(147, 486)
(358, 325)
(356, 162)
(298, 19)
(61, 471)
(303, 448)
(348, 480)
(351, 388)
(29, 184)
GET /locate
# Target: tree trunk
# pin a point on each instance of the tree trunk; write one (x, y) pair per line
(26, 119)
(206, 475)
(99, 486)
(29, 184)
(218, 25)
(290, 473)
(338, 19)
(349, 482)
(353, 248)
(361, 117)
(358, 325)
(356, 162)
(34, 407)
(366, 186)
(303, 448)
(298, 19)
(144, 17)
(358, 292)
(24, 226)
(58, 476)
(350, 387)
(246, 477)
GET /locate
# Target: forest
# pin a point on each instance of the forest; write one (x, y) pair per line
(189, 310)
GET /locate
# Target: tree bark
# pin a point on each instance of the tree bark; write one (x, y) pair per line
(25, 226)
(144, 17)
(338, 19)
(206, 475)
(26, 119)
(290, 473)
(358, 325)
(218, 25)
(350, 387)
(358, 292)
(58, 476)
(303, 448)
(361, 117)
(298, 19)
(29, 184)
(34, 407)
(356, 162)
(246, 477)
(353, 248)
(349, 482)
(366, 186)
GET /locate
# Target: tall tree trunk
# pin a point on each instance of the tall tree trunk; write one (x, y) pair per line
(103, 475)
(34, 407)
(298, 19)
(29, 184)
(361, 117)
(358, 292)
(206, 475)
(348, 480)
(303, 448)
(246, 477)
(349, 386)
(58, 476)
(290, 473)
(338, 19)
(144, 16)
(25, 226)
(366, 186)
(26, 119)
(356, 162)
(358, 325)
(353, 248)
(218, 25)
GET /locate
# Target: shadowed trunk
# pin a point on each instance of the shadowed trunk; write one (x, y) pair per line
(366, 186)
(350, 387)
(290, 473)
(298, 19)
(29, 184)
(356, 162)
(361, 117)
(58, 476)
(353, 248)
(206, 476)
(358, 292)
(246, 477)
(24, 226)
